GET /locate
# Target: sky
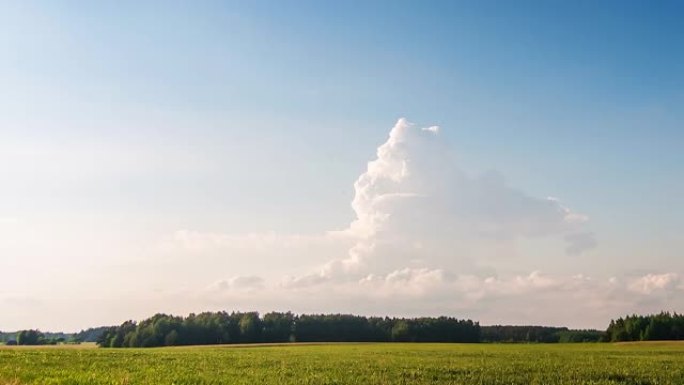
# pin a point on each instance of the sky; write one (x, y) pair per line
(506, 162)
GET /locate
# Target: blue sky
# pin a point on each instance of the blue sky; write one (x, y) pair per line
(125, 122)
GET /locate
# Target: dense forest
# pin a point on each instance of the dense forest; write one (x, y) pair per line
(663, 326)
(227, 328)
(237, 327)
(541, 334)
(90, 334)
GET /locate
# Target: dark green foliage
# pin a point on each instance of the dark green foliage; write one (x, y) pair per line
(30, 337)
(582, 336)
(507, 333)
(443, 329)
(663, 326)
(250, 327)
(88, 335)
(8, 336)
(401, 331)
(540, 334)
(278, 327)
(35, 337)
(224, 328)
(338, 328)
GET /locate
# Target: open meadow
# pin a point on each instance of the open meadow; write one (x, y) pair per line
(395, 363)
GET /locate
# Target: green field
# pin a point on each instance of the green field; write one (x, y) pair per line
(637, 363)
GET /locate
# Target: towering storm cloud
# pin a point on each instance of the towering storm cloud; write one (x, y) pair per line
(416, 208)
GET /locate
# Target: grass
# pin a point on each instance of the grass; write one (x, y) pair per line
(638, 364)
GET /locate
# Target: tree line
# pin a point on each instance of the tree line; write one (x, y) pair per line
(36, 337)
(32, 337)
(539, 334)
(250, 327)
(662, 326)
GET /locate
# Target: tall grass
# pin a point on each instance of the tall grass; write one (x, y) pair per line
(363, 364)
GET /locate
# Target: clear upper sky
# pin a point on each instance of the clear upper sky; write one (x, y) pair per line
(237, 127)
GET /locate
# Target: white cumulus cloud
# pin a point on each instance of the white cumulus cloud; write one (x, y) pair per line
(650, 283)
(415, 206)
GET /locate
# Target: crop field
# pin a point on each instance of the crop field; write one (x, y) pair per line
(631, 363)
